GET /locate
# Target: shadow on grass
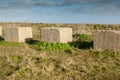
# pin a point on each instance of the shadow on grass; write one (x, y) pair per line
(32, 42)
(82, 45)
(1, 38)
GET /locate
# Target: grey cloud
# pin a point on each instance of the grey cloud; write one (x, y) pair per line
(15, 4)
(62, 3)
(93, 6)
(111, 8)
(56, 3)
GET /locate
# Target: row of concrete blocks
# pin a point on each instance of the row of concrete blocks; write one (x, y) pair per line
(104, 40)
(23, 34)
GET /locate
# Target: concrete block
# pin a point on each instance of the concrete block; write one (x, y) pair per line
(18, 34)
(1, 31)
(62, 35)
(107, 40)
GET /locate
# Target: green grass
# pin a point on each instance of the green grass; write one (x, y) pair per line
(82, 41)
(21, 61)
(82, 37)
(52, 46)
(26, 63)
(11, 44)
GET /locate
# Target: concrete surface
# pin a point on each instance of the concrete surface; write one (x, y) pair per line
(62, 35)
(1, 34)
(17, 34)
(107, 40)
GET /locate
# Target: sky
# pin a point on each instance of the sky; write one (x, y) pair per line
(61, 11)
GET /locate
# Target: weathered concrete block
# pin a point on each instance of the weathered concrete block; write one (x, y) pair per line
(62, 35)
(107, 40)
(17, 34)
(1, 31)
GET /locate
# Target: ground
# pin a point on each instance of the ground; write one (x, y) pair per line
(21, 61)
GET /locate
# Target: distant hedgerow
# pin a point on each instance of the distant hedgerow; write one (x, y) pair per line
(52, 46)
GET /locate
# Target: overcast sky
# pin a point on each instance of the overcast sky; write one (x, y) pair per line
(60, 11)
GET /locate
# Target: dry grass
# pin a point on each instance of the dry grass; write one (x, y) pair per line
(86, 28)
(20, 61)
(25, 63)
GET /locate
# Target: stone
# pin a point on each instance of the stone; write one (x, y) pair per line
(1, 31)
(53, 35)
(107, 40)
(17, 34)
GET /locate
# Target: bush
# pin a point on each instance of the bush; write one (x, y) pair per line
(52, 46)
(99, 26)
(82, 37)
(82, 41)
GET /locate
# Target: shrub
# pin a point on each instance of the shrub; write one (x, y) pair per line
(82, 41)
(82, 37)
(99, 26)
(52, 46)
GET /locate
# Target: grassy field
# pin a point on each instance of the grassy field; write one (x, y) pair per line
(22, 61)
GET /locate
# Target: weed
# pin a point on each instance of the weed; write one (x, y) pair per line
(16, 58)
(82, 37)
(22, 71)
(82, 41)
(99, 26)
(53, 65)
(52, 46)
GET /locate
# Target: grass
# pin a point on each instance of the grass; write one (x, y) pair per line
(26, 63)
(11, 43)
(82, 41)
(52, 46)
(21, 61)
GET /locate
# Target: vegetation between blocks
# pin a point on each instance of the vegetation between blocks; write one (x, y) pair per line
(57, 61)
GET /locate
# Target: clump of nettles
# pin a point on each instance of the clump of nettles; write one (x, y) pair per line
(52, 46)
(82, 37)
(82, 41)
